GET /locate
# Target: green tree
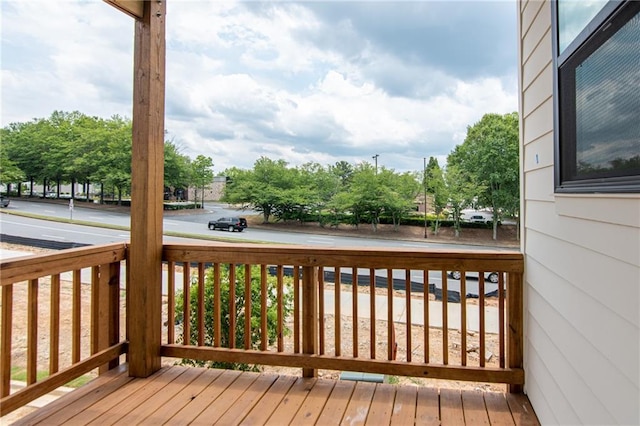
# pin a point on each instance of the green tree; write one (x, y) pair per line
(399, 194)
(437, 189)
(461, 193)
(202, 173)
(9, 171)
(238, 314)
(263, 188)
(489, 157)
(177, 167)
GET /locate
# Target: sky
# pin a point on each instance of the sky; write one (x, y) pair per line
(305, 81)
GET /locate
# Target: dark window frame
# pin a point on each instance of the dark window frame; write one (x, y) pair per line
(564, 149)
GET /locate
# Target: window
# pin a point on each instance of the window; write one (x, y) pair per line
(597, 96)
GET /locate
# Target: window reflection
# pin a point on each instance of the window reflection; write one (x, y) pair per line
(608, 103)
(573, 17)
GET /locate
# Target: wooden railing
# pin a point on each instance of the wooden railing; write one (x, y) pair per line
(356, 326)
(60, 277)
(334, 324)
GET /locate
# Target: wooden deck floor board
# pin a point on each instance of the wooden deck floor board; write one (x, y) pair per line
(160, 399)
(288, 407)
(428, 409)
(226, 400)
(521, 410)
(204, 398)
(130, 398)
(245, 403)
(337, 403)
(267, 405)
(382, 404)
(498, 409)
(404, 407)
(183, 395)
(474, 409)
(313, 404)
(451, 407)
(358, 408)
(96, 386)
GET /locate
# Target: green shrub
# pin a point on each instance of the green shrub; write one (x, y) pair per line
(256, 304)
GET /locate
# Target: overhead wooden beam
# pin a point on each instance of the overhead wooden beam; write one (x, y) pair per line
(133, 8)
(147, 180)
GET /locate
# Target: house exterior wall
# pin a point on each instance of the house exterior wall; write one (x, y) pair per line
(582, 254)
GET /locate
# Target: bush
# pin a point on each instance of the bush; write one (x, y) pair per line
(256, 304)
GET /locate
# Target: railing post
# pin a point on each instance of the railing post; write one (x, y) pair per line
(515, 333)
(147, 174)
(309, 316)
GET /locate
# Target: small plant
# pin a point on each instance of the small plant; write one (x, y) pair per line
(239, 314)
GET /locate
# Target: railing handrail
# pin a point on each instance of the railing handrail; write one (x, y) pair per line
(398, 258)
(27, 267)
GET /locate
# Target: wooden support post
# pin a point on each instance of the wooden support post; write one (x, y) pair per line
(515, 323)
(309, 316)
(147, 175)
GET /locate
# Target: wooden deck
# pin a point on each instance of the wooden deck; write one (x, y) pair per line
(182, 395)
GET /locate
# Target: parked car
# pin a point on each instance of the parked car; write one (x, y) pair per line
(4, 201)
(229, 223)
(492, 277)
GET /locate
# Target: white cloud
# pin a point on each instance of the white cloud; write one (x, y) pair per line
(302, 81)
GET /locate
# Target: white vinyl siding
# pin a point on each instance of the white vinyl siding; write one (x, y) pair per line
(582, 270)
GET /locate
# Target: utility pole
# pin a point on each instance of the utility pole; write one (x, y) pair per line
(424, 184)
(375, 158)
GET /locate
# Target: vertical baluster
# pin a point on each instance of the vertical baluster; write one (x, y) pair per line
(113, 288)
(463, 319)
(32, 333)
(5, 340)
(171, 302)
(425, 294)
(337, 313)
(515, 324)
(407, 286)
(391, 331)
(501, 318)
(100, 309)
(217, 309)
(296, 309)
(201, 304)
(445, 318)
(264, 337)
(54, 325)
(76, 316)
(321, 322)
(95, 308)
(247, 306)
(372, 310)
(232, 306)
(354, 309)
(309, 316)
(186, 290)
(481, 312)
(280, 305)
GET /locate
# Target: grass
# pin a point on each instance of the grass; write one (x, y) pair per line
(20, 374)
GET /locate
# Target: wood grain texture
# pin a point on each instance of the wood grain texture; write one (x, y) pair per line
(147, 183)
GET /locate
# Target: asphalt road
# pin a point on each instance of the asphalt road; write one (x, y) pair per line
(192, 224)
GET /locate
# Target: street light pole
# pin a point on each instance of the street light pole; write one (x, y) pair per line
(375, 158)
(424, 184)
